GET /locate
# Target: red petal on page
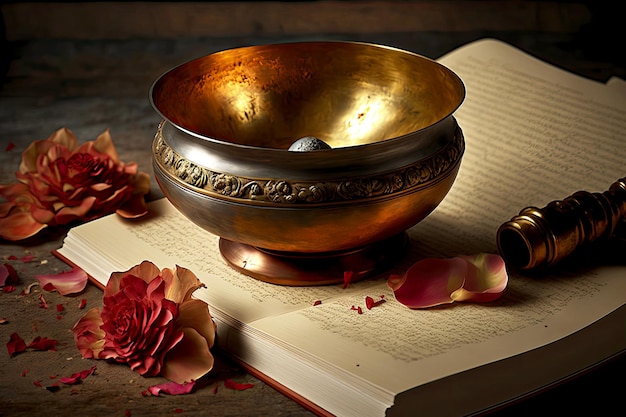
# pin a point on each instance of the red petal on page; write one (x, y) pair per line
(60, 308)
(429, 282)
(8, 275)
(172, 388)
(487, 283)
(43, 343)
(347, 278)
(370, 303)
(229, 383)
(68, 282)
(82, 304)
(15, 345)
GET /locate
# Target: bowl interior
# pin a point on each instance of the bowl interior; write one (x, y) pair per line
(343, 93)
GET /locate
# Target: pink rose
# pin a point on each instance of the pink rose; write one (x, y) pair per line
(150, 322)
(60, 182)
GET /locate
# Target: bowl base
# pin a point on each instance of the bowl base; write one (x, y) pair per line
(308, 269)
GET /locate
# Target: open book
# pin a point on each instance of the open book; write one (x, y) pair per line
(534, 133)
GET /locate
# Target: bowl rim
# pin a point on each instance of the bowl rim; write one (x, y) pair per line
(450, 72)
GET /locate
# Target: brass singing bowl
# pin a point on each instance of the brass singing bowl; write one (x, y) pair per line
(221, 154)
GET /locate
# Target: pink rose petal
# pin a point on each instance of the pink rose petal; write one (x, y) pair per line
(69, 282)
(429, 282)
(172, 388)
(489, 281)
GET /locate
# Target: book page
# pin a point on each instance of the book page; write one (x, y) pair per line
(167, 238)
(533, 134)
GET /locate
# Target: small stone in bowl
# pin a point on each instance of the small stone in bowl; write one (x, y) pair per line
(308, 144)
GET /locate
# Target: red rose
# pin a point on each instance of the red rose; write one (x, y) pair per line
(60, 182)
(150, 322)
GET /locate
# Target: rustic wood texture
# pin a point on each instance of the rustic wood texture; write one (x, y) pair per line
(89, 67)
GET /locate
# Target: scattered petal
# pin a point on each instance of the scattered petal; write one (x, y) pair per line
(43, 343)
(27, 258)
(8, 275)
(317, 302)
(15, 345)
(9, 147)
(370, 303)
(358, 309)
(42, 301)
(490, 281)
(24, 372)
(347, 278)
(229, 383)
(82, 304)
(78, 376)
(8, 288)
(430, 282)
(60, 308)
(37, 383)
(172, 388)
(4, 320)
(67, 282)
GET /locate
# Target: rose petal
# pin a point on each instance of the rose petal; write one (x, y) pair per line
(43, 343)
(19, 225)
(88, 335)
(229, 383)
(172, 388)
(191, 358)
(15, 345)
(68, 282)
(8, 275)
(145, 270)
(429, 282)
(78, 376)
(347, 278)
(489, 281)
(70, 214)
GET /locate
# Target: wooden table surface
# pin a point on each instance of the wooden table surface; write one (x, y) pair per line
(93, 85)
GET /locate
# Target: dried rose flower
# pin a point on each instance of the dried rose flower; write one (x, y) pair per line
(60, 182)
(149, 321)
